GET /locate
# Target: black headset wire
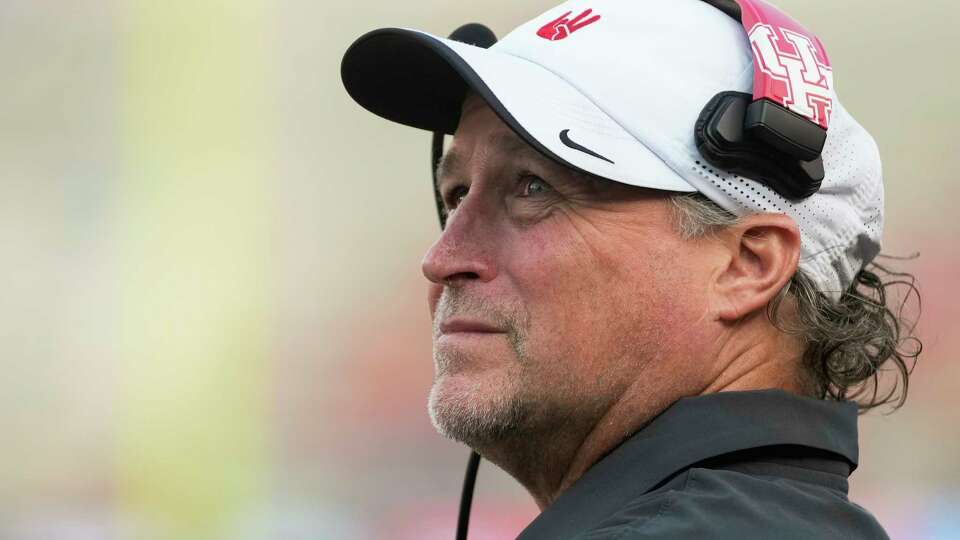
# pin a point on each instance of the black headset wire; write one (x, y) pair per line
(481, 36)
(466, 497)
(473, 464)
(435, 155)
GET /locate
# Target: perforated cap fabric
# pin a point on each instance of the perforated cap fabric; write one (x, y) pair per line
(614, 88)
(840, 226)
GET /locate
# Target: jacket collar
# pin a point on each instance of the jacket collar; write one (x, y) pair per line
(688, 432)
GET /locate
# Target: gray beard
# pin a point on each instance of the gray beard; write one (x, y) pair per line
(461, 415)
(461, 418)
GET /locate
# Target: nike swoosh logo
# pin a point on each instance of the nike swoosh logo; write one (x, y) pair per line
(565, 139)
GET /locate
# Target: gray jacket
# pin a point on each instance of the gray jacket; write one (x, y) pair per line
(741, 465)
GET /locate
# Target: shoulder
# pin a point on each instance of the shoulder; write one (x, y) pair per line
(708, 503)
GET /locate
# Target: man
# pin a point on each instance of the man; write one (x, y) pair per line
(653, 346)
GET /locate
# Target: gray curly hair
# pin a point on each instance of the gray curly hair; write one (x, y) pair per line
(849, 343)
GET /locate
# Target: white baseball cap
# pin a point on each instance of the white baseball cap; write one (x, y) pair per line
(614, 88)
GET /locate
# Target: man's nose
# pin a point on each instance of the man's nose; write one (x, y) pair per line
(465, 249)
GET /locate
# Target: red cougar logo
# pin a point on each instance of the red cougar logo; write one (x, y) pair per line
(807, 78)
(562, 27)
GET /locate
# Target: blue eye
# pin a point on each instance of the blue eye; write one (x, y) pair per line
(534, 185)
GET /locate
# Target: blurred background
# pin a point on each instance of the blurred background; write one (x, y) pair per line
(212, 320)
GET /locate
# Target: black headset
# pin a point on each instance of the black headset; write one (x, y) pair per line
(751, 135)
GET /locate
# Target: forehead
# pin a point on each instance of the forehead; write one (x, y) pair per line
(481, 132)
(497, 145)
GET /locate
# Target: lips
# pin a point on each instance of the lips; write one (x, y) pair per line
(461, 325)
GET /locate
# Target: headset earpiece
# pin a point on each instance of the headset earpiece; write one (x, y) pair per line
(761, 136)
(724, 141)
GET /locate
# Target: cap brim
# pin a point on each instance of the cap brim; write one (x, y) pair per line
(421, 80)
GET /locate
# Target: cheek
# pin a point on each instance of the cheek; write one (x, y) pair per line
(593, 301)
(572, 299)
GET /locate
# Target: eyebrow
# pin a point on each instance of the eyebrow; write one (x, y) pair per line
(504, 143)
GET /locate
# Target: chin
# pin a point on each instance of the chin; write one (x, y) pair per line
(477, 408)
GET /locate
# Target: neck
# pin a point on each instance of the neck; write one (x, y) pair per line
(548, 460)
(753, 355)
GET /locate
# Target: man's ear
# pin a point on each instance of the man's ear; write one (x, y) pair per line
(764, 250)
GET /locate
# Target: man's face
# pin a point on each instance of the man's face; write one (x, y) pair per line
(551, 292)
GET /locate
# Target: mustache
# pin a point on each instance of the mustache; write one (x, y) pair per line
(456, 302)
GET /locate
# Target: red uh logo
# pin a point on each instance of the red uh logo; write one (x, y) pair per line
(562, 26)
(808, 81)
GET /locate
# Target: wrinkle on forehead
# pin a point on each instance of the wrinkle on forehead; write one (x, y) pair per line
(499, 142)
(482, 132)
(500, 139)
